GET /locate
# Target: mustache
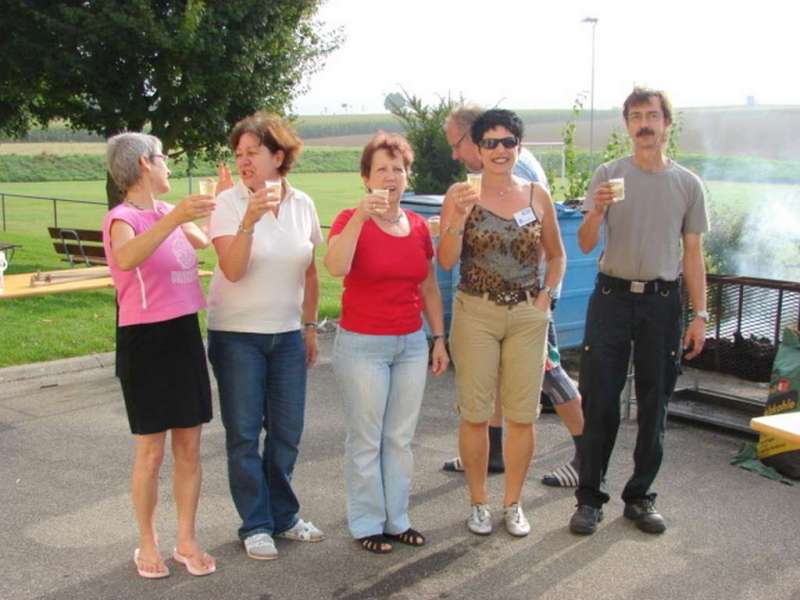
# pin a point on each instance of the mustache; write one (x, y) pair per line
(645, 131)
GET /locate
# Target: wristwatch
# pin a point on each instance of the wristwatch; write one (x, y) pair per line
(702, 314)
(547, 290)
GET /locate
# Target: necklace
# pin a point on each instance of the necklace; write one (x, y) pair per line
(392, 220)
(136, 206)
(501, 193)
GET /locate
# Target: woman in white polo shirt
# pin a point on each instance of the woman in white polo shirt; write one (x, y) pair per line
(263, 303)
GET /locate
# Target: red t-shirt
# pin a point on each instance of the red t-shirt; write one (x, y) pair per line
(382, 290)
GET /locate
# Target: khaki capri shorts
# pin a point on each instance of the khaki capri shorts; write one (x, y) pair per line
(488, 341)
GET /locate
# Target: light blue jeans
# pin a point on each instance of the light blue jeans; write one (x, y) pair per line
(382, 378)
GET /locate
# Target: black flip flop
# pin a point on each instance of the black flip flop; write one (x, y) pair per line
(375, 543)
(410, 537)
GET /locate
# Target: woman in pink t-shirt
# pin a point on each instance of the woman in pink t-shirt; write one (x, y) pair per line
(381, 353)
(161, 361)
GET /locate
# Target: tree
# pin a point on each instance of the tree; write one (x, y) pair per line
(185, 69)
(394, 101)
(434, 169)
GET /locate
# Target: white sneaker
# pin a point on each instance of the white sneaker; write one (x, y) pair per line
(260, 546)
(516, 523)
(303, 531)
(480, 519)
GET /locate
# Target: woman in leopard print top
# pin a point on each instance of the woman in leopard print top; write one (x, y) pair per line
(500, 313)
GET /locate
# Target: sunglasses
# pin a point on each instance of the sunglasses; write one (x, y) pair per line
(491, 143)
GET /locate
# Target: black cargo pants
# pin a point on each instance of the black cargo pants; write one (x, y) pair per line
(653, 321)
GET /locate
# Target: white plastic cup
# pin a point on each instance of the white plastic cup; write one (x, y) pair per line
(383, 193)
(474, 181)
(273, 186)
(207, 187)
(434, 225)
(618, 188)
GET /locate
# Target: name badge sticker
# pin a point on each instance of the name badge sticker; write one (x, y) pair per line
(524, 216)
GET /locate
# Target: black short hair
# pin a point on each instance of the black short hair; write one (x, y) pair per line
(497, 117)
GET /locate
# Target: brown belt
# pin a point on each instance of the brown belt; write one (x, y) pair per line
(506, 298)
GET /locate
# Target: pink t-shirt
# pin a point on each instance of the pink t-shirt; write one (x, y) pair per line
(163, 287)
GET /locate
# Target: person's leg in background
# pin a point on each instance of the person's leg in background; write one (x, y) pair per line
(567, 403)
(496, 463)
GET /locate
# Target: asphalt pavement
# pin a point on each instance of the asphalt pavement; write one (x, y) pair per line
(67, 528)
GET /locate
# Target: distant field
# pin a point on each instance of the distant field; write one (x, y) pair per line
(60, 162)
(762, 131)
(99, 148)
(60, 148)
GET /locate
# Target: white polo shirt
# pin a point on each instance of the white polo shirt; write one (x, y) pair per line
(269, 297)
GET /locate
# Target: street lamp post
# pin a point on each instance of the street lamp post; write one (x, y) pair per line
(593, 21)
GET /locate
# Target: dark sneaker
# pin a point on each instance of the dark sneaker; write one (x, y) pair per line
(643, 512)
(585, 519)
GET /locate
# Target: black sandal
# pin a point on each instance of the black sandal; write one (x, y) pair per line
(410, 537)
(376, 544)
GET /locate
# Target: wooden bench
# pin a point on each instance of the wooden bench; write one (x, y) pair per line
(79, 246)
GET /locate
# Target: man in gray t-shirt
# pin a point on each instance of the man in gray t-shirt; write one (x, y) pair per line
(653, 214)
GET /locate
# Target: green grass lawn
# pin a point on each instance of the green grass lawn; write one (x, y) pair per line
(63, 325)
(58, 326)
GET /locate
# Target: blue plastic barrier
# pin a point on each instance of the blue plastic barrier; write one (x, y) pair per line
(570, 315)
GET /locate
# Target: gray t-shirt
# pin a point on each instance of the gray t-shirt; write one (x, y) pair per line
(643, 232)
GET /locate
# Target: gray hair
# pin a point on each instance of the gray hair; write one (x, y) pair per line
(123, 153)
(465, 115)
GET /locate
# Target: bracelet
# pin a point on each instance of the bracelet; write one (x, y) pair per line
(243, 229)
(453, 231)
(311, 324)
(438, 336)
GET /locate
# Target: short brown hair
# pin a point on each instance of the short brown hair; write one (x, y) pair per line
(394, 143)
(640, 95)
(274, 132)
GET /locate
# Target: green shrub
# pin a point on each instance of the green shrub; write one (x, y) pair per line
(434, 169)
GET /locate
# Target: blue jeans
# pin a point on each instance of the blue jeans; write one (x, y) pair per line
(262, 385)
(382, 378)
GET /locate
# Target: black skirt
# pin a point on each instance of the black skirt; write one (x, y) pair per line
(164, 376)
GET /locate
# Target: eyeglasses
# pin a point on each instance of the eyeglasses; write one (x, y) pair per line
(455, 146)
(491, 143)
(161, 156)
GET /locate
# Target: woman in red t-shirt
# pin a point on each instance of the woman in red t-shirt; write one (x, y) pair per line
(380, 355)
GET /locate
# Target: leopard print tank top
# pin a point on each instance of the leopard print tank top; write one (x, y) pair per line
(498, 255)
